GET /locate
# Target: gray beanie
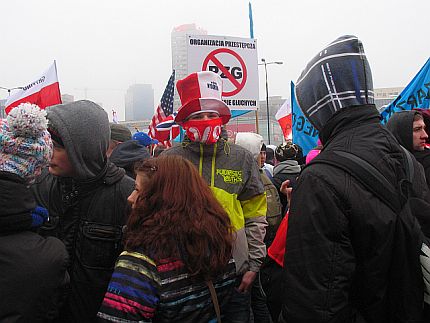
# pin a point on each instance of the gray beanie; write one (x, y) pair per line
(337, 77)
(119, 132)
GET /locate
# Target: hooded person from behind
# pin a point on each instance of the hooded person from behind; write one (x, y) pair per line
(341, 252)
(86, 196)
(288, 155)
(33, 269)
(410, 130)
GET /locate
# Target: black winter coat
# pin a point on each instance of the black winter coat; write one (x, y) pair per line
(288, 169)
(340, 236)
(89, 218)
(32, 269)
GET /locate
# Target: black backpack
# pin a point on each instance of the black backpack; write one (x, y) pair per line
(406, 287)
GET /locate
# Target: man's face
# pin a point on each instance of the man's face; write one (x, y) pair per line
(419, 134)
(262, 157)
(60, 164)
(204, 116)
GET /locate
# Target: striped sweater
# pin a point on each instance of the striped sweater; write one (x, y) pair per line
(142, 290)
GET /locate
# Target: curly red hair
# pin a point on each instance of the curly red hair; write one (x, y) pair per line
(177, 216)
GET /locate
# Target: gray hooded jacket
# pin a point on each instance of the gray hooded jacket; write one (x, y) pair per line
(87, 212)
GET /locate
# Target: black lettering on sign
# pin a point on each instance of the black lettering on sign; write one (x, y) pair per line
(236, 72)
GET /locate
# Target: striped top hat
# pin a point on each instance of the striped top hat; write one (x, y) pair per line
(201, 92)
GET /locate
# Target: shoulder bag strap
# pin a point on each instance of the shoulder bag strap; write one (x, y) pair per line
(365, 173)
(214, 300)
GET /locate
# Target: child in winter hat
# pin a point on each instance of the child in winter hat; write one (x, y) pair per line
(25, 143)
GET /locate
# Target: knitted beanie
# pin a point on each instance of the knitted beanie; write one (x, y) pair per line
(288, 151)
(25, 143)
(119, 132)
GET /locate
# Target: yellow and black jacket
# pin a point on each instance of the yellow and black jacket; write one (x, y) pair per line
(234, 178)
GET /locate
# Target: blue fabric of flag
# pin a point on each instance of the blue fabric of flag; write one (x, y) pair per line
(304, 133)
(415, 95)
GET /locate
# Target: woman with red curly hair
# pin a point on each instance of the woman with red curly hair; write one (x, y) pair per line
(177, 262)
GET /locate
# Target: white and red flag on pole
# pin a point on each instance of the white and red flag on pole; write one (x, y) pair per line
(164, 113)
(44, 91)
(284, 118)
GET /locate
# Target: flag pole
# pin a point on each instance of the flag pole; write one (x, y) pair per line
(251, 35)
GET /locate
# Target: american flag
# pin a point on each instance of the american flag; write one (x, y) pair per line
(164, 110)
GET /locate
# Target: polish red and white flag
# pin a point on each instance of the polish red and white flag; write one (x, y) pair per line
(284, 119)
(44, 91)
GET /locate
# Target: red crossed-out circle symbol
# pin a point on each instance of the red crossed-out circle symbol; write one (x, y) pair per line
(236, 84)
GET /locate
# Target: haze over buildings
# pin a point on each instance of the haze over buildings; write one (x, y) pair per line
(110, 45)
(139, 102)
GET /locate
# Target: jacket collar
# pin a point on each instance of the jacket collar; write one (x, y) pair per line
(349, 118)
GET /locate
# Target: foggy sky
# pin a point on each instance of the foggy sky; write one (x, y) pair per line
(105, 46)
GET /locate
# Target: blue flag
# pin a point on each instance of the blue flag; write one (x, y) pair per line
(415, 95)
(304, 133)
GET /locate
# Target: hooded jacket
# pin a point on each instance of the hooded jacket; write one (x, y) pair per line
(340, 247)
(234, 178)
(401, 126)
(288, 169)
(87, 212)
(33, 269)
(126, 154)
(340, 235)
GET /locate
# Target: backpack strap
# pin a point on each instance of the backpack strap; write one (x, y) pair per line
(409, 165)
(365, 173)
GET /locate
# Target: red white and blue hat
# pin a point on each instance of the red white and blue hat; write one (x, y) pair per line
(201, 92)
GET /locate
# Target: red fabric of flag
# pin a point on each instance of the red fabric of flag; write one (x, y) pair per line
(163, 111)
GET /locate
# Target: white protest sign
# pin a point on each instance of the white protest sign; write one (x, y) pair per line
(234, 60)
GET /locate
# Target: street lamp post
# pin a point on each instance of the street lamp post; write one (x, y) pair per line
(10, 89)
(267, 93)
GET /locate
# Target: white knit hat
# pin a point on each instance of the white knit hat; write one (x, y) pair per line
(25, 143)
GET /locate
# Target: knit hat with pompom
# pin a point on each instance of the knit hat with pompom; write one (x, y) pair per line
(25, 143)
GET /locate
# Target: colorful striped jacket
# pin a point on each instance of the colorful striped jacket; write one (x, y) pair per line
(142, 290)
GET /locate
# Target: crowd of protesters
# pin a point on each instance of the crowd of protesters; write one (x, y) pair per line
(96, 226)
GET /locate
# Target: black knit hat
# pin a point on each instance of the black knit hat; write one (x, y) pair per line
(288, 151)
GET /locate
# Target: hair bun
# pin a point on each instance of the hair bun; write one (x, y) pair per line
(27, 120)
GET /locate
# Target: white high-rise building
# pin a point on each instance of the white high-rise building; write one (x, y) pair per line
(179, 51)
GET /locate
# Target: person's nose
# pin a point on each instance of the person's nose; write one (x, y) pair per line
(132, 198)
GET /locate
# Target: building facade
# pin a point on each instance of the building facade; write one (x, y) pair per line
(179, 52)
(139, 102)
